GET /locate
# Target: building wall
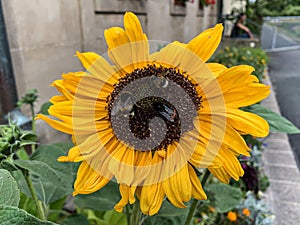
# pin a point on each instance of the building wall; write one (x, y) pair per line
(45, 34)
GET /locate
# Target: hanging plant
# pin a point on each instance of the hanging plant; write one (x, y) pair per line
(207, 2)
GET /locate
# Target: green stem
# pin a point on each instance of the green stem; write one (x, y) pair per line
(127, 209)
(38, 204)
(136, 214)
(32, 125)
(195, 201)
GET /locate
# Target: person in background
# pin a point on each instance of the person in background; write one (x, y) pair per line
(239, 30)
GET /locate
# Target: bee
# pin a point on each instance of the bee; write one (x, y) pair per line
(167, 112)
(160, 81)
(123, 104)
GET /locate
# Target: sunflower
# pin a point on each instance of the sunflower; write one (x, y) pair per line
(149, 120)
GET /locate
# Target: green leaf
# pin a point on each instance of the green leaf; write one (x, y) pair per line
(277, 122)
(49, 154)
(45, 107)
(52, 180)
(12, 215)
(168, 215)
(8, 164)
(9, 191)
(226, 197)
(167, 209)
(170, 220)
(27, 204)
(75, 219)
(104, 199)
(113, 217)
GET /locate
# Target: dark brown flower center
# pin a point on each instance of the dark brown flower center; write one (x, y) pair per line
(151, 107)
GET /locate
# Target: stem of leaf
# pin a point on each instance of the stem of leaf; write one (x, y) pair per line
(38, 204)
(32, 125)
(136, 214)
(195, 201)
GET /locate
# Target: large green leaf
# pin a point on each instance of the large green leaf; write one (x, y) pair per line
(75, 219)
(277, 122)
(168, 220)
(12, 215)
(104, 199)
(9, 191)
(113, 217)
(226, 197)
(52, 180)
(167, 209)
(49, 154)
(168, 215)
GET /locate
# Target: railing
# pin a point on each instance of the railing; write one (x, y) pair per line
(280, 33)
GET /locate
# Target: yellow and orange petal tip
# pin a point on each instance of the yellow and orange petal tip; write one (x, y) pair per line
(118, 209)
(63, 159)
(246, 212)
(162, 153)
(232, 216)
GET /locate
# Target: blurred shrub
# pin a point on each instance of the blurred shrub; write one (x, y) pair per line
(233, 56)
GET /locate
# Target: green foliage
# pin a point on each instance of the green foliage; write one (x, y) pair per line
(276, 122)
(170, 220)
(45, 107)
(260, 212)
(12, 138)
(276, 8)
(233, 56)
(104, 199)
(12, 215)
(225, 196)
(168, 215)
(29, 98)
(75, 219)
(51, 180)
(9, 191)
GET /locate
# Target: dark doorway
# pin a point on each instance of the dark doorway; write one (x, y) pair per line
(8, 92)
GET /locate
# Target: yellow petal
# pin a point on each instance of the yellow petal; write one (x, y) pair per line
(178, 188)
(216, 68)
(247, 123)
(197, 190)
(74, 155)
(231, 164)
(118, 47)
(127, 194)
(205, 44)
(221, 174)
(88, 180)
(58, 125)
(96, 65)
(151, 198)
(138, 40)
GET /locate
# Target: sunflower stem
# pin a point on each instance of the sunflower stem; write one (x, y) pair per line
(127, 210)
(136, 214)
(195, 201)
(38, 204)
(32, 125)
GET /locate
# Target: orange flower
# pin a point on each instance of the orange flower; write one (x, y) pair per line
(212, 209)
(232, 216)
(246, 212)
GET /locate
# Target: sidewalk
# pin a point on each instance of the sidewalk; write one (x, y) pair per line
(281, 168)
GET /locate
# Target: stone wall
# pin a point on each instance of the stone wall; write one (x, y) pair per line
(45, 34)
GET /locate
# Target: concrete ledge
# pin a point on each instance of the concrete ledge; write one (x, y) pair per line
(245, 42)
(280, 166)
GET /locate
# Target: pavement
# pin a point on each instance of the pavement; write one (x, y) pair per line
(280, 161)
(272, 38)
